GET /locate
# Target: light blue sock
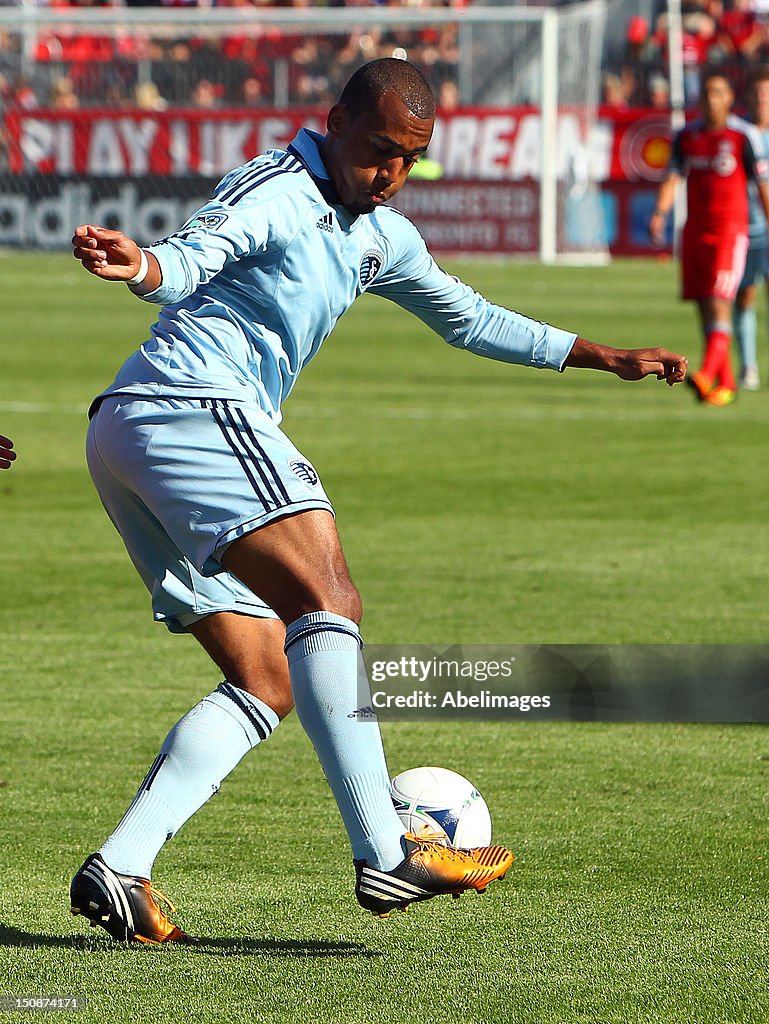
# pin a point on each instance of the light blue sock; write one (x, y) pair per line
(745, 333)
(329, 684)
(200, 751)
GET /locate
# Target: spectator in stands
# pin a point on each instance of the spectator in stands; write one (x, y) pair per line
(659, 92)
(448, 96)
(62, 95)
(440, 53)
(740, 32)
(614, 92)
(205, 95)
(147, 97)
(642, 58)
(252, 93)
(23, 95)
(172, 72)
(699, 38)
(309, 81)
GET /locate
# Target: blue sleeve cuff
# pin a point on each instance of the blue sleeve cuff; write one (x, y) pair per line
(559, 345)
(174, 283)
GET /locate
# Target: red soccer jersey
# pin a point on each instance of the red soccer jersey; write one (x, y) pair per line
(718, 163)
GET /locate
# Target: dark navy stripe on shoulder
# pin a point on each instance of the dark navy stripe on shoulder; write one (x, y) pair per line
(258, 176)
(250, 171)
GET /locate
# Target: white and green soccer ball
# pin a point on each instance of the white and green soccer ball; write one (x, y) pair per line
(442, 802)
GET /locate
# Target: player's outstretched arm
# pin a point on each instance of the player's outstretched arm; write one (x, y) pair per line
(629, 363)
(113, 256)
(7, 454)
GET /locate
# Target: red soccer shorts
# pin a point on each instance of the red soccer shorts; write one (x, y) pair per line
(712, 265)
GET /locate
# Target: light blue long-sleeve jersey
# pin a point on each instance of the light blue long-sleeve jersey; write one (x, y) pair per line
(758, 231)
(258, 277)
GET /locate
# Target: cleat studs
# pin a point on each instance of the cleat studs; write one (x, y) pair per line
(93, 924)
(385, 914)
(481, 891)
(93, 906)
(404, 909)
(74, 911)
(105, 917)
(456, 895)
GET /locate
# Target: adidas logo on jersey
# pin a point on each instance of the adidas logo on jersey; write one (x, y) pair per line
(326, 222)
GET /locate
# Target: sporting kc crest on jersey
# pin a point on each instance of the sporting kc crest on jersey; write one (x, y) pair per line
(370, 266)
(208, 220)
(304, 471)
(725, 162)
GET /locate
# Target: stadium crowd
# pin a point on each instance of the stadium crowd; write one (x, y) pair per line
(732, 35)
(135, 68)
(155, 72)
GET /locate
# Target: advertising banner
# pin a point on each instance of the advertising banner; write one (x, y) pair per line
(151, 169)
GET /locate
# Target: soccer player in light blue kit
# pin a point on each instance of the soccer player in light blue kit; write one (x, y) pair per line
(757, 262)
(229, 525)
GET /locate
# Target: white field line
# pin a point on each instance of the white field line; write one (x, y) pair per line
(512, 413)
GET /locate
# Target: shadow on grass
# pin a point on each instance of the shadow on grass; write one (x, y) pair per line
(217, 946)
(282, 948)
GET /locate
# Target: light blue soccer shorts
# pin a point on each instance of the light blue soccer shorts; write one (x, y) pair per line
(181, 478)
(756, 263)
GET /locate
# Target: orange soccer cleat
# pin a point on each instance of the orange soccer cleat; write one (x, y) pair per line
(125, 906)
(721, 396)
(430, 869)
(700, 384)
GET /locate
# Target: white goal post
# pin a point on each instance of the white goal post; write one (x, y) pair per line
(545, 61)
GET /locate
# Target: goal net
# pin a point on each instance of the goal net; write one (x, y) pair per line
(128, 116)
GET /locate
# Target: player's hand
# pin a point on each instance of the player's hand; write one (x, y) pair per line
(107, 254)
(637, 363)
(7, 454)
(629, 363)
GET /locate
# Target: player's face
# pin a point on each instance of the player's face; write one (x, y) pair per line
(716, 100)
(369, 156)
(761, 103)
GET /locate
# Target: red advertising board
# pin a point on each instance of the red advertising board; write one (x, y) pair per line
(492, 145)
(485, 202)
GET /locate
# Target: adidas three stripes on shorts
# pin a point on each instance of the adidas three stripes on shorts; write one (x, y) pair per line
(181, 478)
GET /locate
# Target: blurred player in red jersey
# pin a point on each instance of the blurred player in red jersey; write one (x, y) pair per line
(718, 154)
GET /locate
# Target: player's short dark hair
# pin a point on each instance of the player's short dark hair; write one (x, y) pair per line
(388, 74)
(761, 74)
(715, 72)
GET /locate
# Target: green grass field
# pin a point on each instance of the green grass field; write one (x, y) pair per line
(478, 503)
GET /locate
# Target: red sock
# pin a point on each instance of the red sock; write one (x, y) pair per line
(717, 364)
